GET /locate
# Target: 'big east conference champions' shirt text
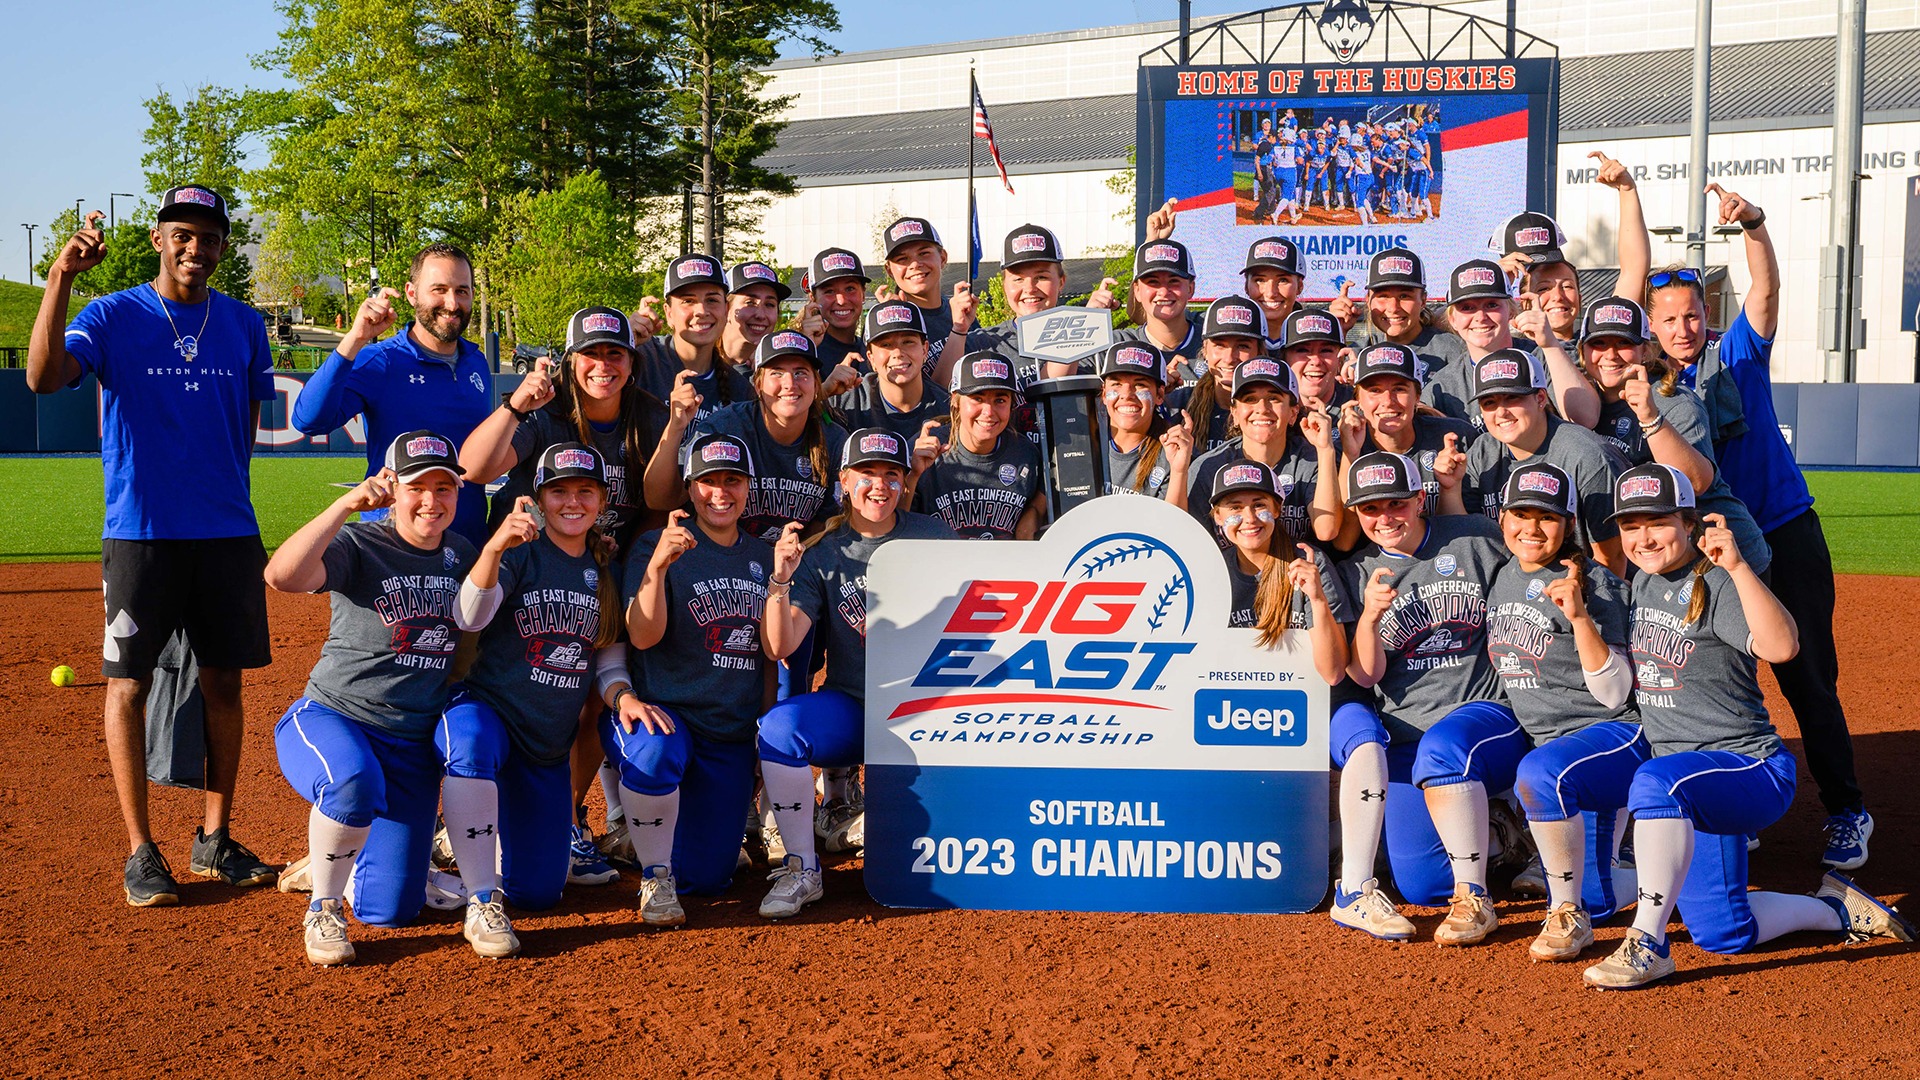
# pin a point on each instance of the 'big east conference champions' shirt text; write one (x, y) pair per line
(535, 666)
(830, 587)
(391, 636)
(1435, 633)
(1695, 682)
(1530, 641)
(709, 666)
(981, 496)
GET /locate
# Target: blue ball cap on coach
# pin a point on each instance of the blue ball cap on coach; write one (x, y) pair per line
(567, 461)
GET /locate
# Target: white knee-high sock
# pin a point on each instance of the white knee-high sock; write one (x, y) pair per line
(610, 787)
(651, 820)
(790, 793)
(1363, 813)
(331, 851)
(1664, 849)
(472, 809)
(1783, 913)
(1460, 817)
(1563, 855)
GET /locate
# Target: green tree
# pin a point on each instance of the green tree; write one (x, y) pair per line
(131, 259)
(559, 251)
(200, 141)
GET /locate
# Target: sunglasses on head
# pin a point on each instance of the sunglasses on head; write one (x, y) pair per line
(1688, 276)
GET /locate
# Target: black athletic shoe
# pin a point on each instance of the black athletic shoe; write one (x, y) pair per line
(149, 879)
(217, 855)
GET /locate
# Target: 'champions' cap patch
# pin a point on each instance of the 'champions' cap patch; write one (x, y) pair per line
(698, 267)
(1027, 242)
(887, 316)
(1260, 366)
(1245, 474)
(1534, 236)
(600, 323)
(1314, 324)
(907, 228)
(720, 450)
(991, 369)
(791, 339)
(1235, 315)
(1139, 358)
(1377, 475)
(1476, 277)
(1162, 253)
(1397, 265)
(573, 459)
(1640, 487)
(1271, 249)
(839, 261)
(428, 446)
(758, 272)
(1614, 315)
(1540, 483)
(879, 443)
(196, 196)
(1499, 369)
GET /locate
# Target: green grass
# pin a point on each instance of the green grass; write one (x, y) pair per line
(54, 505)
(18, 306)
(1872, 520)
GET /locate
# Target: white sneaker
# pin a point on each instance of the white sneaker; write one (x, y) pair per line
(840, 827)
(1369, 911)
(1531, 881)
(445, 892)
(585, 865)
(1567, 932)
(1866, 916)
(326, 927)
(1638, 962)
(443, 848)
(297, 877)
(487, 928)
(616, 845)
(794, 887)
(775, 844)
(1470, 917)
(660, 898)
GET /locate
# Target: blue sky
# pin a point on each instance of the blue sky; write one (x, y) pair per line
(73, 82)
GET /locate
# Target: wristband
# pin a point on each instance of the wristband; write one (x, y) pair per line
(517, 414)
(622, 690)
(1648, 429)
(773, 584)
(1756, 222)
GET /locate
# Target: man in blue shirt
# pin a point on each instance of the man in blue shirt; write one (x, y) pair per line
(1760, 468)
(426, 377)
(182, 372)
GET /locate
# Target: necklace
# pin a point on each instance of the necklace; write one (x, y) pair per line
(189, 346)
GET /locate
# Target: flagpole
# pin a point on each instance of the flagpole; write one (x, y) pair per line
(973, 221)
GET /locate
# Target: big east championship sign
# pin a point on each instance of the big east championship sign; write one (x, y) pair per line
(1069, 724)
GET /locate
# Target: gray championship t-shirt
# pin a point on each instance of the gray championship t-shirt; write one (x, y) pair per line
(865, 406)
(1688, 416)
(981, 496)
(1183, 360)
(626, 496)
(1123, 471)
(709, 668)
(1435, 634)
(1298, 472)
(785, 485)
(535, 664)
(1584, 456)
(658, 366)
(1695, 682)
(830, 587)
(1530, 642)
(391, 634)
(1299, 609)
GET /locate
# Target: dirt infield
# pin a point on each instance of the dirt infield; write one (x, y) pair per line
(219, 985)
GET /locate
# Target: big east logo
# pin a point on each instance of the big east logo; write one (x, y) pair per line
(1111, 619)
(1067, 330)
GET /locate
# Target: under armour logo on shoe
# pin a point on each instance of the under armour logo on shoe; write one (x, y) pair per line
(656, 822)
(1473, 857)
(1652, 897)
(475, 834)
(1369, 795)
(331, 857)
(777, 807)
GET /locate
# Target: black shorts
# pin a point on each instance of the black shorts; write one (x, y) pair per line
(214, 589)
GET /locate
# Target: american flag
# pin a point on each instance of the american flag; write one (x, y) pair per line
(983, 129)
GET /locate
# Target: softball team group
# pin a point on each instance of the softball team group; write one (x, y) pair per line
(1539, 543)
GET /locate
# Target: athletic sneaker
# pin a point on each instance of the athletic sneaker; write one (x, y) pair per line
(660, 898)
(443, 848)
(794, 887)
(1753, 843)
(1470, 917)
(616, 845)
(588, 866)
(445, 892)
(1512, 842)
(326, 927)
(775, 844)
(839, 826)
(217, 855)
(1865, 915)
(297, 877)
(487, 928)
(1531, 881)
(1638, 961)
(1370, 912)
(1567, 931)
(149, 879)
(1847, 833)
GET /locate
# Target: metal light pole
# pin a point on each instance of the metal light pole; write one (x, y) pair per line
(113, 218)
(1843, 330)
(29, 229)
(1697, 137)
(78, 221)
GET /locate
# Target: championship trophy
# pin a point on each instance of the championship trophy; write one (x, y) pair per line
(1067, 409)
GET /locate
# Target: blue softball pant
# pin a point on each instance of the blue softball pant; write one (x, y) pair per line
(825, 728)
(367, 777)
(536, 800)
(1480, 741)
(1585, 774)
(1421, 183)
(1728, 797)
(716, 786)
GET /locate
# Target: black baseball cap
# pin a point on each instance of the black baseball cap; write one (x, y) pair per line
(1234, 316)
(417, 453)
(784, 343)
(1476, 279)
(1265, 371)
(695, 269)
(1507, 371)
(978, 372)
(834, 264)
(1387, 358)
(1542, 485)
(1244, 475)
(1171, 256)
(1132, 358)
(741, 275)
(1029, 244)
(715, 452)
(893, 317)
(192, 200)
(1311, 324)
(567, 460)
(1396, 266)
(1277, 252)
(910, 230)
(1382, 474)
(1652, 488)
(1615, 317)
(1534, 235)
(874, 446)
(597, 325)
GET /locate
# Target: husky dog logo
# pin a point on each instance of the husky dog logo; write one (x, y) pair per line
(1345, 27)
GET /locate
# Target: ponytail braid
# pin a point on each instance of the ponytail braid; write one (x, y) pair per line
(600, 546)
